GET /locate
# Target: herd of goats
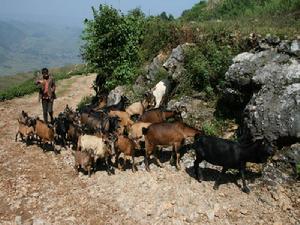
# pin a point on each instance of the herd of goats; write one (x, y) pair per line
(99, 132)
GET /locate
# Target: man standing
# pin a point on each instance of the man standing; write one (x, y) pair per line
(47, 94)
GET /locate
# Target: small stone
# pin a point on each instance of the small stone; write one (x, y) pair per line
(18, 220)
(210, 214)
(221, 194)
(44, 176)
(275, 196)
(243, 211)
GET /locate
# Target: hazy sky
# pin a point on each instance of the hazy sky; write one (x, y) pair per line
(73, 12)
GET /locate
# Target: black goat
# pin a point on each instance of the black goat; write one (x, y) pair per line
(61, 124)
(229, 154)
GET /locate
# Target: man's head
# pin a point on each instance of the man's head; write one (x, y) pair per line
(45, 73)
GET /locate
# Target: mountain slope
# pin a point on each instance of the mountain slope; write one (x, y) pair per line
(29, 46)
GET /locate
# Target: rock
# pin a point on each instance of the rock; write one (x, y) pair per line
(266, 87)
(114, 96)
(174, 64)
(38, 221)
(295, 48)
(155, 67)
(193, 115)
(210, 215)
(18, 220)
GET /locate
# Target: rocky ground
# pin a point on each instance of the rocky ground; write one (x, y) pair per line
(42, 188)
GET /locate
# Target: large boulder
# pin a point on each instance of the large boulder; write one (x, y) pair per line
(114, 95)
(155, 66)
(175, 63)
(267, 85)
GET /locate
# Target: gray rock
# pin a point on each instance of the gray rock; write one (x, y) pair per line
(295, 47)
(155, 66)
(18, 220)
(115, 95)
(174, 64)
(38, 221)
(268, 83)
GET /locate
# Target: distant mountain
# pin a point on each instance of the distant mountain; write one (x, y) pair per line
(26, 46)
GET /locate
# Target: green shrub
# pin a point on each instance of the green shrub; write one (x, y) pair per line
(211, 128)
(84, 101)
(112, 44)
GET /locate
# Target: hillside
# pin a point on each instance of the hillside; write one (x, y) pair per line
(28, 46)
(233, 9)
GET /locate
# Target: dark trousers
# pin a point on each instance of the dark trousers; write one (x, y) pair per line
(47, 105)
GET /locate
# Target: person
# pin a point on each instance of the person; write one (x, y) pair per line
(47, 94)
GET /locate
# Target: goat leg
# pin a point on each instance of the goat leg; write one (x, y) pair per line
(155, 155)
(245, 188)
(146, 162)
(134, 169)
(218, 181)
(177, 153)
(17, 136)
(198, 171)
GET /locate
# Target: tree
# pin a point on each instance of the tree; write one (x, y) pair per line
(112, 45)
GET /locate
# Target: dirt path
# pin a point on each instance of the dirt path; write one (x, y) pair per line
(41, 188)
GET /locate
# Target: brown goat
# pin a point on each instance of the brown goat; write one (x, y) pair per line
(136, 133)
(73, 134)
(126, 146)
(85, 160)
(44, 132)
(166, 134)
(24, 131)
(125, 121)
(158, 115)
(138, 108)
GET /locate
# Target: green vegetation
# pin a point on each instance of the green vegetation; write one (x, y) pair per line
(25, 84)
(84, 101)
(233, 9)
(112, 44)
(118, 45)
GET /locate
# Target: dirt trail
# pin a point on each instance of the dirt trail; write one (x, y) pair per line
(42, 188)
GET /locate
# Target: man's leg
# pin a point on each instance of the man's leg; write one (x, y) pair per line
(45, 110)
(50, 110)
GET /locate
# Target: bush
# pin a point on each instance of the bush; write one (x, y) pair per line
(84, 101)
(206, 65)
(112, 45)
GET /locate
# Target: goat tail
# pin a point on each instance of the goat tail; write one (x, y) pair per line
(145, 130)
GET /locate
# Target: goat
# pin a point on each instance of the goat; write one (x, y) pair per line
(126, 146)
(71, 115)
(44, 132)
(138, 108)
(24, 131)
(158, 116)
(61, 126)
(125, 121)
(91, 122)
(135, 132)
(120, 106)
(160, 91)
(73, 134)
(23, 118)
(85, 160)
(228, 154)
(99, 145)
(166, 134)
